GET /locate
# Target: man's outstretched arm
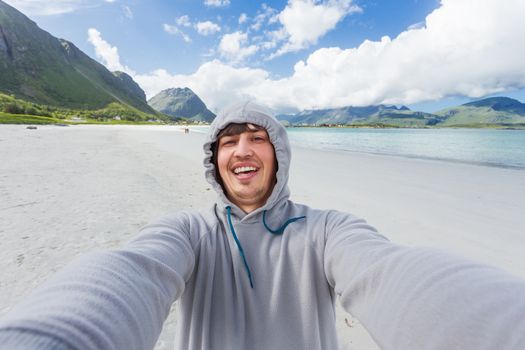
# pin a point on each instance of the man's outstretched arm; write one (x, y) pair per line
(422, 298)
(115, 299)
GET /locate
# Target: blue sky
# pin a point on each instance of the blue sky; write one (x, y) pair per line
(302, 54)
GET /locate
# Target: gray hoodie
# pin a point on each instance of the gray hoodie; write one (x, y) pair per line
(268, 280)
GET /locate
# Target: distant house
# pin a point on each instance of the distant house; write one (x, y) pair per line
(77, 119)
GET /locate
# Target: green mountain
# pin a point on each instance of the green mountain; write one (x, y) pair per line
(130, 86)
(493, 110)
(368, 115)
(181, 102)
(488, 112)
(37, 67)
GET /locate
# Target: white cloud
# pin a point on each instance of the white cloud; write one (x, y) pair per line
(49, 8)
(177, 32)
(267, 45)
(216, 3)
(127, 12)
(460, 50)
(216, 83)
(106, 53)
(464, 49)
(417, 25)
(110, 1)
(305, 21)
(266, 13)
(183, 21)
(274, 38)
(203, 28)
(234, 47)
(243, 18)
(207, 28)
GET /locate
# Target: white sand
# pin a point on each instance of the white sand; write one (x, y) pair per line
(67, 190)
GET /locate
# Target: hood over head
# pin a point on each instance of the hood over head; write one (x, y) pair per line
(249, 112)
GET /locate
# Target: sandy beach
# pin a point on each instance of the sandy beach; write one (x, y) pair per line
(69, 190)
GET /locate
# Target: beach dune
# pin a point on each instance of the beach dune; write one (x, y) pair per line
(69, 190)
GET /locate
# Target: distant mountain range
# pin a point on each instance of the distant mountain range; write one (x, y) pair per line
(497, 111)
(181, 102)
(37, 67)
(379, 114)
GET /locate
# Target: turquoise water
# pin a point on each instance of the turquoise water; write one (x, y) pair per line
(503, 148)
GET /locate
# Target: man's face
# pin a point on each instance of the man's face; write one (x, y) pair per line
(246, 164)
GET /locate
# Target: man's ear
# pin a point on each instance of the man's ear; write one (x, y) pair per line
(215, 150)
(275, 159)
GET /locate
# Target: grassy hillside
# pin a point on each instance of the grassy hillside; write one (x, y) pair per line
(494, 110)
(473, 116)
(17, 111)
(8, 118)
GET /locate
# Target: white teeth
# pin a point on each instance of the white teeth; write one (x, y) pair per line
(243, 169)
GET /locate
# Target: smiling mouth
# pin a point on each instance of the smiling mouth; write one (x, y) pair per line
(244, 170)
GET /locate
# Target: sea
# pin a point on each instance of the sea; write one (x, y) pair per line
(499, 148)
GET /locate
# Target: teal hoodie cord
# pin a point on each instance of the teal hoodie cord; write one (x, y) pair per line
(229, 210)
(280, 230)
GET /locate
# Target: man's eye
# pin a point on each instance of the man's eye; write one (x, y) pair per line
(227, 142)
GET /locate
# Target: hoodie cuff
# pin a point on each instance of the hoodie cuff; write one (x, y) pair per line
(16, 339)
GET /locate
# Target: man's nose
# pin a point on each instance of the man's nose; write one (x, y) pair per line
(243, 148)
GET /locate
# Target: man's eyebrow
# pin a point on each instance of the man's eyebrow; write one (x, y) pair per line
(251, 131)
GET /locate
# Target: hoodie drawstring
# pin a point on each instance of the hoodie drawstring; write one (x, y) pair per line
(229, 210)
(280, 230)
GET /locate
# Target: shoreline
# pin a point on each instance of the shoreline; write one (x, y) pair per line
(422, 157)
(70, 190)
(68, 122)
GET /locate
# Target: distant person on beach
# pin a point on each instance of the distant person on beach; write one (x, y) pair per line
(258, 271)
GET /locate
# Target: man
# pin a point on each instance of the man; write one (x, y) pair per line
(258, 271)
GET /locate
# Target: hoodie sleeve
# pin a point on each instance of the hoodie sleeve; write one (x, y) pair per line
(421, 298)
(115, 299)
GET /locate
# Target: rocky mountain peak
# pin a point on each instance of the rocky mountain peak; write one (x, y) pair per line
(181, 102)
